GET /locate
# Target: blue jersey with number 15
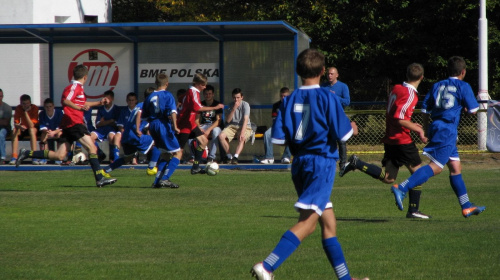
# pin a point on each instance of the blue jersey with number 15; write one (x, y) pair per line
(446, 100)
(310, 121)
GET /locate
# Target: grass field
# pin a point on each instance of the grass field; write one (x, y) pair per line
(57, 225)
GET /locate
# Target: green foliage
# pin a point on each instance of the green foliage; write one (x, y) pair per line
(57, 225)
(371, 42)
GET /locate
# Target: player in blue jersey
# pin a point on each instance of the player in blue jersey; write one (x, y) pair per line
(160, 110)
(49, 121)
(310, 121)
(105, 124)
(444, 103)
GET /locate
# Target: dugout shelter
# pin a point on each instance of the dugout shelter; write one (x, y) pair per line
(258, 57)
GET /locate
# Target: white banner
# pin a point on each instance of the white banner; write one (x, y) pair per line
(110, 68)
(178, 72)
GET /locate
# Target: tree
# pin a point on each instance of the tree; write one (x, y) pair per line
(371, 42)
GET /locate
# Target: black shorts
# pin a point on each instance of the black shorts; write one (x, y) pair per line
(72, 134)
(183, 138)
(401, 155)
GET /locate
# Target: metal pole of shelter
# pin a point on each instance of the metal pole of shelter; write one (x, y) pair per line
(483, 76)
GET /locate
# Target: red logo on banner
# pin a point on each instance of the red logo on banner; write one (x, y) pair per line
(103, 71)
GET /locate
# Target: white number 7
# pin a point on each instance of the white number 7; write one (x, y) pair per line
(305, 109)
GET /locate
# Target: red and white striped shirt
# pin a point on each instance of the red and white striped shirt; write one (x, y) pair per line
(401, 104)
(75, 94)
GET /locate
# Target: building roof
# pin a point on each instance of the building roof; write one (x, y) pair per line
(147, 32)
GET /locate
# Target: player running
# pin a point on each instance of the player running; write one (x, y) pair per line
(444, 103)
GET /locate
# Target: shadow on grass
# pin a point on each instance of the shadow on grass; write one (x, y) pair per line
(364, 220)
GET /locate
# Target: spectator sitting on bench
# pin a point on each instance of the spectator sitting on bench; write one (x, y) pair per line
(5, 117)
(238, 125)
(105, 124)
(25, 124)
(49, 121)
(132, 101)
(268, 145)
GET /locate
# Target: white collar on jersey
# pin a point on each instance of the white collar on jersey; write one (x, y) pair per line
(193, 88)
(309, 87)
(410, 86)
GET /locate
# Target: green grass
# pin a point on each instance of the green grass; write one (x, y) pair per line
(57, 225)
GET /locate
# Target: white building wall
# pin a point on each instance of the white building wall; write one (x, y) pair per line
(24, 67)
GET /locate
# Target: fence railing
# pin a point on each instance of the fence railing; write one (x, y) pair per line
(371, 126)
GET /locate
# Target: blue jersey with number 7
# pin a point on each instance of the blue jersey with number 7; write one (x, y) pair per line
(310, 121)
(446, 100)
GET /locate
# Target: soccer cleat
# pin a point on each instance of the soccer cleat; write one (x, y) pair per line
(473, 210)
(166, 184)
(349, 166)
(399, 196)
(197, 170)
(152, 171)
(105, 175)
(23, 154)
(260, 273)
(234, 161)
(105, 181)
(417, 215)
(267, 161)
(285, 160)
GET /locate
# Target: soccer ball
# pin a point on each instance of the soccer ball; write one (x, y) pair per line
(212, 169)
(79, 158)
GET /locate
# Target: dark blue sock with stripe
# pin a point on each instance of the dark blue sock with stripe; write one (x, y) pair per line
(335, 255)
(286, 246)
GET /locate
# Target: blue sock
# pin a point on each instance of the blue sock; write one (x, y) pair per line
(416, 179)
(335, 255)
(161, 165)
(458, 186)
(116, 152)
(287, 245)
(172, 165)
(117, 163)
(155, 155)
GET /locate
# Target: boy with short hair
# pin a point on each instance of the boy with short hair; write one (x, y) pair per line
(74, 102)
(310, 121)
(187, 124)
(125, 112)
(239, 125)
(160, 110)
(49, 121)
(444, 103)
(105, 124)
(399, 147)
(25, 124)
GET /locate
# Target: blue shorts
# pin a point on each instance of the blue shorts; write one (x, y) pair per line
(313, 177)
(142, 145)
(164, 136)
(440, 155)
(442, 146)
(103, 132)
